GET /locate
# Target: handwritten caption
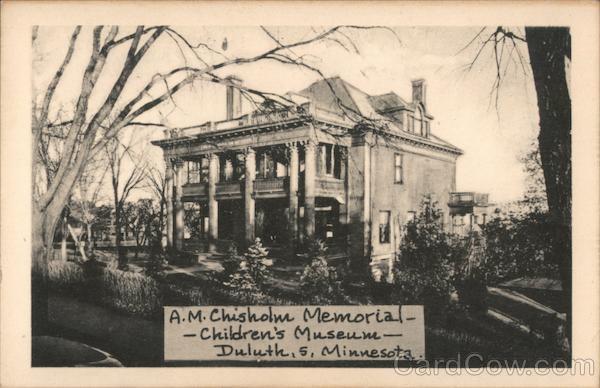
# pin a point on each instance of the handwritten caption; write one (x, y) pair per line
(294, 333)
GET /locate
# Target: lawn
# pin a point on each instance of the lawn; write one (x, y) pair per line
(117, 311)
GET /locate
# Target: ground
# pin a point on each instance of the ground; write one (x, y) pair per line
(137, 341)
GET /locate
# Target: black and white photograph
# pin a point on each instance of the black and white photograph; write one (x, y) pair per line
(302, 195)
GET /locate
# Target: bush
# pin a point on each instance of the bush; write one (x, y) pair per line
(191, 296)
(472, 290)
(157, 261)
(319, 283)
(518, 246)
(65, 274)
(252, 271)
(231, 263)
(131, 292)
(426, 264)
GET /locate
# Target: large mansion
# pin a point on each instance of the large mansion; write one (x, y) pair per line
(337, 165)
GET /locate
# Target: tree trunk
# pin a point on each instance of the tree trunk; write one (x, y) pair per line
(161, 217)
(138, 242)
(63, 243)
(549, 48)
(39, 276)
(42, 237)
(89, 239)
(121, 257)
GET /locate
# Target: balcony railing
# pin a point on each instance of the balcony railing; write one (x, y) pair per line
(468, 199)
(229, 189)
(327, 186)
(264, 188)
(195, 190)
(273, 117)
(271, 186)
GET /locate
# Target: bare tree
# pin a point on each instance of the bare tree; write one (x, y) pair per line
(87, 194)
(156, 183)
(89, 129)
(124, 179)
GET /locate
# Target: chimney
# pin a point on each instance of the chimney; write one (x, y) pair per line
(419, 91)
(234, 98)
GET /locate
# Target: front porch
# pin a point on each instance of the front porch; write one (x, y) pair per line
(283, 194)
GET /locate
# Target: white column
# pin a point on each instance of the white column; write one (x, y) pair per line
(367, 199)
(310, 172)
(179, 211)
(249, 202)
(213, 205)
(293, 193)
(169, 198)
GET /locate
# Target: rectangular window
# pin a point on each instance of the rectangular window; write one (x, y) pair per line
(266, 165)
(186, 173)
(398, 168)
(239, 165)
(193, 175)
(337, 163)
(384, 227)
(328, 159)
(204, 169)
(228, 172)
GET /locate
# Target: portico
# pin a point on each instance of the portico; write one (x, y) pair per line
(284, 178)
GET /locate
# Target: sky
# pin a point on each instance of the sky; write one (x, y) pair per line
(492, 134)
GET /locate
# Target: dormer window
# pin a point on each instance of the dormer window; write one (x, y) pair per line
(420, 123)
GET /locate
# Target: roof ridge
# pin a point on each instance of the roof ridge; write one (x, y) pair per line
(345, 86)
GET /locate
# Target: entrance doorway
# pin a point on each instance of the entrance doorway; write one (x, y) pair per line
(327, 215)
(231, 220)
(272, 221)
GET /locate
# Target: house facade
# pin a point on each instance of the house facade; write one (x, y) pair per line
(337, 165)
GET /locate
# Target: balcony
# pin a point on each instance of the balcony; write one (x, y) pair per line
(271, 187)
(244, 121)
(229, 190)
(264, 188)
(195, 191)
(468, 199)
(329, 187)
(258, 119)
